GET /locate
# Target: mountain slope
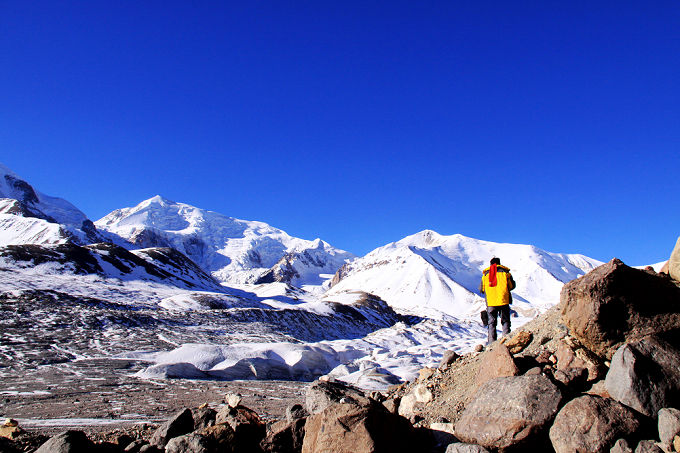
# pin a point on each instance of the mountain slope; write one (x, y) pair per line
(234, 251)
(31, 217)
(431, 271)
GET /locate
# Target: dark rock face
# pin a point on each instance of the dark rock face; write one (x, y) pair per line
(182, 423)
(204, 417)
(510, 411)
(591, 424)
(67, 442)
(616, 303)
(285, 437)
(645, 375)
(27, 192)
(249, 429)
(350, 428)
(322, 394)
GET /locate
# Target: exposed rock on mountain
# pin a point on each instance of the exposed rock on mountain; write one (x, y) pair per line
(30, 217)
(234, 251)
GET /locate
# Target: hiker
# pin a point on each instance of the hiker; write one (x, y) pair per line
(496, 284)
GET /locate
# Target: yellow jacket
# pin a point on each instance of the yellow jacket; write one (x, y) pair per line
(500, 294)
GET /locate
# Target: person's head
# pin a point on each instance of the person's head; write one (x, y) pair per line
(495, 260)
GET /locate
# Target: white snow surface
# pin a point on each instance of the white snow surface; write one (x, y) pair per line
(429, 270)
(234, 251)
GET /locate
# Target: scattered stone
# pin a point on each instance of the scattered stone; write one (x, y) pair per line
(648, 446)
(574, 378)
(669, 426)
(285, 437)
(592, 424)
(519, 341)
(510, 411)
(322, 394)
(443, 433)
(135, 446)
(621, 446)
(674, 262)
(599, 389)
(496, 362)
(67, 442)
(535, 371)
(295, 412)
(352, 428)
(232, 399)
(188, 443)
(147, 448)
(447, 359)
(182, 423)
(644, 375)
(615, 303)
(425, 374)
(10, 422)
(124, 440)
(419, 395)
(460, 447)
(10, 432)
(203, 417)
(479, 348)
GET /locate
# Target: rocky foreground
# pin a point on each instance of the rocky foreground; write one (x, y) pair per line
(598, 373)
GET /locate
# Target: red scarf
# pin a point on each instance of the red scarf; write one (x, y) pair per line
(493, 281)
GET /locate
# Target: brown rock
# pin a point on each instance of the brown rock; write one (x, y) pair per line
(284, 437)
(592, 424)
(615, 303)
(519, 341)
(497, 362)
(351, 428)
(676, 443)
(510, 411)
(321, 394)
(10, 432)
(392, 405)
(249, 429)
(425, 373)
(221, 437)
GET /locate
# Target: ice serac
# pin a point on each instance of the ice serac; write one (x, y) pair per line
(234, 251)
(431, 271)
(28, 216)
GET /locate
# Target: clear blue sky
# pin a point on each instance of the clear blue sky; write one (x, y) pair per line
(548, 122)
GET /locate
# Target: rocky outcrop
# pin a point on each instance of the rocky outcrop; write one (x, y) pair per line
(645, 375)
(352, 428)
(510, 411)
(615, 303)
(674, 262)
(591, 424)
(322, 394)
(67, 442)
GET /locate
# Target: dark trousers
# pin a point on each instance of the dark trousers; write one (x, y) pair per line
(493, 312)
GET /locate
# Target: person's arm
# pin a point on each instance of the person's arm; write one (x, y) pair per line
(481, 286)
(511, 282)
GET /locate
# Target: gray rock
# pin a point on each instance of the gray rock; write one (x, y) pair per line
(203, 417)
(147, 448)
(67, 442)
(295, 412)
(460, 447)
(674, 262)
(648, 446)
(509, 411)
(645, 375)
(182, 423)
(188, 443)
(621, 446)
(134, 446)
(592, 424)
(669, 426)
(322, 394)
(448, 358)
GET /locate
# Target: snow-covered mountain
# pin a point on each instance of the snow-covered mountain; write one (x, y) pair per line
(31, 217)
(234, 251)
(430, 271)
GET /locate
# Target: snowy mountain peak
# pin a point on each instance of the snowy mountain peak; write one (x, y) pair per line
(234, 251)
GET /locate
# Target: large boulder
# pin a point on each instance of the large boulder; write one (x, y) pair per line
(674, 262)
(284, 437)
(189, 443)
(352, 428)
(645, 375)
(510, 411)
(592, 424)
(321, 394)
(182, 423)
(615, 303)
(249, 429)
(67, 442)
(497, 362)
